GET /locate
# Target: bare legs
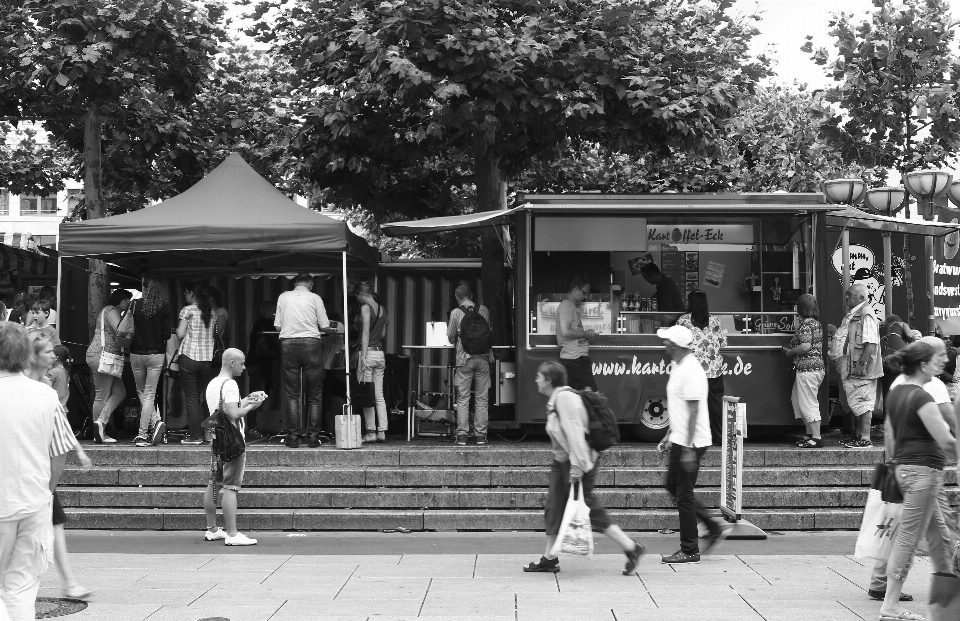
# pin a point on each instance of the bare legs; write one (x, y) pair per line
(228, 502)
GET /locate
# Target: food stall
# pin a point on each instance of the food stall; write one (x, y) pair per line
(752, 254)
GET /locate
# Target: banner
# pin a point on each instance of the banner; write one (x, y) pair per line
(946, 278)
(731, 460)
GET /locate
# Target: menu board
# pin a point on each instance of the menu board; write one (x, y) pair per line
(682, 267)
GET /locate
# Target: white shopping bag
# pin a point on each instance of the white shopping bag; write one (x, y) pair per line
(879, 527)
(575, 536)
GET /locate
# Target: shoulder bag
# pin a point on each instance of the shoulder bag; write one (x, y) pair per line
(228, 440)
(218, 347)
(110, 364)
(126, 328)
(885, 474)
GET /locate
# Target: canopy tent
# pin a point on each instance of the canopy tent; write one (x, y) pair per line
(232, 222)
(27, 261)
(853, 218)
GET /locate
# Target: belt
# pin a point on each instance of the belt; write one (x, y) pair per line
(302, 338)
(147, 352)
(374, 348)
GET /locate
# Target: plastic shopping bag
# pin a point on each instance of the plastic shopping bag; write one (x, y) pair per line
(575, 536)
(879, 527)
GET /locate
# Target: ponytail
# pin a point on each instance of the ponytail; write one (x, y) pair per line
(202, 296)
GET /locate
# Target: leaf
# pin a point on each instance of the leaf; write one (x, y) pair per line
(61, 79)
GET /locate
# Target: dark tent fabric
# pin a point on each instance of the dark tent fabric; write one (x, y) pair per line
(26, 261)
(232, 222)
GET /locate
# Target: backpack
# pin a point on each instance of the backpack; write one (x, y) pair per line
(475, 334)
(603, 431)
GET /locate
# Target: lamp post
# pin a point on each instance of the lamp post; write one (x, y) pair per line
(925, 186)
(953, 193)
(844, 192)
(887, 201)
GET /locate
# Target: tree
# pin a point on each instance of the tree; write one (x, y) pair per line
(895, 86)
(74, 63)
(32, 166)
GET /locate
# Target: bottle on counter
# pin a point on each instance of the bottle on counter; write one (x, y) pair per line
(653, 304)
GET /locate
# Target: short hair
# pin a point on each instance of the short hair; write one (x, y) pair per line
(553, 372)
(14, 347)
(32, 303)
(118, 296)
(649, 269)
(463, 292)
(303, 278)
(861, 289)
(38, 340)
(579, 281)
(831, 329)
(47, 293)
(807, 306)
(893, 319)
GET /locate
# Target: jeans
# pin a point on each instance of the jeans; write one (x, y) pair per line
(374, 366)
(715, 409)
(921, 517)
(302, 356)
(680, 484)
(475, 373)
(110, 393)
(192, 376)
(20, 549)
(146, 373)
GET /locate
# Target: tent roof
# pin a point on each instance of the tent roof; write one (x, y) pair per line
(232, 222)
(853, 218)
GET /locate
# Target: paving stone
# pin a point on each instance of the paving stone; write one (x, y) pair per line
(395, 498)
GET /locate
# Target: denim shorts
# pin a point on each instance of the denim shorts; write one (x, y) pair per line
(227, 475)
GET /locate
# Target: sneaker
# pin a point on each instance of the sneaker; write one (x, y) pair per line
(214, 535)
(633, 558)
(859, 443)
(253, 435)
(811, 443)
(159, 432)
(679, 557)
(77, 592)
(314, 442)
(239, 540)
(881, 595)
(481, 440)
(714, 540)
(543, 565)
(98, 432)
(461, 440)
(141, 440)
(193, 441)
(370, 438)
(292, 441)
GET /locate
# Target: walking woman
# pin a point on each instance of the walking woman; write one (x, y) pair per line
(708, 339)
(806, 349)
(371, 365)
(109, 388)
(152, 323)
(919, 440)
(573, 461)
(43, 364)
(195, 332)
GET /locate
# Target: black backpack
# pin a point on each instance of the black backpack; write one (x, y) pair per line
(603, 431)
(475, 334)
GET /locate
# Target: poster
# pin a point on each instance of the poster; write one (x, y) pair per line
(714, 275)
(731, 459)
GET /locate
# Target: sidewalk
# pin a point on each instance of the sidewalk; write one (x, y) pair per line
(239, 585)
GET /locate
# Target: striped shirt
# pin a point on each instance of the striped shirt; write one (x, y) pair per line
(198, 341)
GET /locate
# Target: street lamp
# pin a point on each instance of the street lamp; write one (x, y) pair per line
(927, 185)
(887, 201)
(844, 192)
(953, 193)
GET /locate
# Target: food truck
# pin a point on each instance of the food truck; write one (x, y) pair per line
(752, 254)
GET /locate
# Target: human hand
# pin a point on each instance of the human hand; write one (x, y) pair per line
(576, 475)
(591, 333)
(688, 459)
(85, 462)
(664, 446)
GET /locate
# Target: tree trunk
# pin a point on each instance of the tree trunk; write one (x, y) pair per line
(489, 198)
(98, 279)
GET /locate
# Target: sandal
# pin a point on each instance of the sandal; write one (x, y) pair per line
(811, 443)
(903, 615)
(544, 565)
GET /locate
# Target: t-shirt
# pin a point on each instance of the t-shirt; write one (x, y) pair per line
(60, 381)
(300, 314)
(914, 444)
(668, 296)
(688, 382)
(231, 392)
(32, 430)
(809, 331)
(935, 388)
(572, 347)
(52, 318)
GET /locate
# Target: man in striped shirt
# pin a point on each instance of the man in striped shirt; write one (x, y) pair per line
(34, 442)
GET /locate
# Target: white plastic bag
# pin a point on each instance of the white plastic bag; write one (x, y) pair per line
(575, 536)
(878, 530)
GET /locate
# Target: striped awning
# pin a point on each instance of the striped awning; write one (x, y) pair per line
(24, 261)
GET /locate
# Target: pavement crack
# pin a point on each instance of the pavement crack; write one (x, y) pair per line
(847, 579)
(212, 559)
(423, 603)
(476, 559)
(851, 610)
(751, 605)
(202, 594)
(271, 573)
(646, 590)
(754, 570)
(344, 585)
(278, 609)
(516, 609)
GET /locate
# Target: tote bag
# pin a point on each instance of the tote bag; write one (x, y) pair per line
(576, 535)
(110, 364)
(878, 530)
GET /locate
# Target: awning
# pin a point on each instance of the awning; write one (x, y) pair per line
(25, 261)
(448, 223)
(853, 218)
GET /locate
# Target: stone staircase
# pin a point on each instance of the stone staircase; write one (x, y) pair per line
(424, 485)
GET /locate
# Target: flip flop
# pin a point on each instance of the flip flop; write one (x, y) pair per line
(903, 615)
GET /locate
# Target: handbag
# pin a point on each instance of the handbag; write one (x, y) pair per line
(110, 364)
(885, 474)
(218, 347)
(126, 328)
(228, 441)
(944, 597)
(366, 395)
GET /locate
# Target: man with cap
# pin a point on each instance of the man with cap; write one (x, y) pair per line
(687, 441)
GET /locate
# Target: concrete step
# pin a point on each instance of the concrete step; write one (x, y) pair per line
(431, 520)
(497, 454)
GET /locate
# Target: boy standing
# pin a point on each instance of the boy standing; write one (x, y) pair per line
(228, 476)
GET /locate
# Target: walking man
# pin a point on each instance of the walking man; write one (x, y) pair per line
(856, 346)
(34, 441)
(300, 317)
(573, 340)
(227, 477)
(687, 441)
(473, 367)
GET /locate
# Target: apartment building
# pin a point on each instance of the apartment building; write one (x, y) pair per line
(38, 216)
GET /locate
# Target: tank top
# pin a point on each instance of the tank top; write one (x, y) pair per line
(377, 327)
(110, 336)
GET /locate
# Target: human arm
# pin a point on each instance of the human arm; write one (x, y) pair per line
(278, 316)
(322, 320)
(889, 442)
(113, 318)
(185, 316)
(222, 318)
(572, 414)
(802, 348)
(932, 419)
(85, 462)
(453, 325)
(566, 317)
(688, 454)
(364, 334)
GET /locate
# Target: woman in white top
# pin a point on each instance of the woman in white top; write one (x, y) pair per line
(110, 392)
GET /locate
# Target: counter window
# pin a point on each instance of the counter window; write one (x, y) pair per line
(752, 270)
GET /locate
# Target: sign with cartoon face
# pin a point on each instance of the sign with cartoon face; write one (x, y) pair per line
(951, 243)
(865, 270)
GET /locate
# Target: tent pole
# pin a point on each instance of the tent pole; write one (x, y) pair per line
(346, 334)
(59, 293)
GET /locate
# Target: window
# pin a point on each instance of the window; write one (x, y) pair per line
(33, 206)
(4, 203)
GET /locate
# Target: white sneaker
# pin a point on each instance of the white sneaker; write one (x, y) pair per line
(108, 440)
(215, 535)
(239, 540)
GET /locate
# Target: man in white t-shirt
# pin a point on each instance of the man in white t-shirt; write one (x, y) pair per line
(227, 477)
(687, 442)
(936, 389)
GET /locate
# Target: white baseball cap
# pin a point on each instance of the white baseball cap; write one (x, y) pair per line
(678, 335)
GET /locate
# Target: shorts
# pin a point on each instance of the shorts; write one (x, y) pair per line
(559, 491)
(59, 517)
(227, 475)
(861, 395)
(579, 373)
